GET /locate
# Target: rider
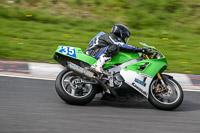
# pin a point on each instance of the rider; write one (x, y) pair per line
(108, 45)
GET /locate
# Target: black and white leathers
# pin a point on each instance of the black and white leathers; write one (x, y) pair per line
(109, 45)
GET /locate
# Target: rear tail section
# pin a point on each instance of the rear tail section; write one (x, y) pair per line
(63, 54)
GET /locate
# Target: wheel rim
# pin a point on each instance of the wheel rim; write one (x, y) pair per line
(74, 92)
(169, 97)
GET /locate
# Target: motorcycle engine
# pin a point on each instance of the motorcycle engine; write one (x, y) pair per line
(118, 79)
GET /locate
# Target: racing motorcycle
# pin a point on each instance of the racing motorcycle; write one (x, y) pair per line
(78, 84)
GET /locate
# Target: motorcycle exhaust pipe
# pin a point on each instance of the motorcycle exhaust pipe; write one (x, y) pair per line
(86, 73)
(80, 70)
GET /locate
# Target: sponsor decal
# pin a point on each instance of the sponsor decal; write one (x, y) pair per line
(74, 65)
(141, 82)
(144, 75)
(138, 88)
(70, 51)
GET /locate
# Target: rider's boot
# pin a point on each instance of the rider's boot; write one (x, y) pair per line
(100, 62)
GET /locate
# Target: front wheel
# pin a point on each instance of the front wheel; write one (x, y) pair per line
(69, 89)
(165, 99)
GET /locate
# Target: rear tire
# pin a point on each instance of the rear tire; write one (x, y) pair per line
(169, 100)
(68, 94)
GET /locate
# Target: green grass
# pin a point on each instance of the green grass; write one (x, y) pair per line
(76, 22)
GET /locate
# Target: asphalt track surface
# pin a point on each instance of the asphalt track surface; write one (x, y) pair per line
(32, 106)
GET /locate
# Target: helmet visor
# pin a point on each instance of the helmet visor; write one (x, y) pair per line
(126, 40)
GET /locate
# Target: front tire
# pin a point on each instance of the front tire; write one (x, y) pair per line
(68, 93)
(168, 100)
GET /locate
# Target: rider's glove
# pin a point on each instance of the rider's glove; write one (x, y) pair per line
(147, 51)
(143, 50)
(136, 49)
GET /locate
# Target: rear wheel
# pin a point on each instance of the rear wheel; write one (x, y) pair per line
(70, 89)
(167, 98)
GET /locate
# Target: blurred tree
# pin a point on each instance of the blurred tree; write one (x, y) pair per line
(172, 5)
(54, 1)
(97, 2)
(79, 2)
(33, 2)
(18, 1)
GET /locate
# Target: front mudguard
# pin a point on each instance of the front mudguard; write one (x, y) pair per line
(166, 77)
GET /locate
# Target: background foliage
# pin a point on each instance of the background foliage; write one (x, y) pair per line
(30, 30)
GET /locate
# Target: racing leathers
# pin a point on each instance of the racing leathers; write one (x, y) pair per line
(107, 46)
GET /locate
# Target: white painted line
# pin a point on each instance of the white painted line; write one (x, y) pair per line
(182, 79)
(27, 77)
(44, 68)
(191, 90)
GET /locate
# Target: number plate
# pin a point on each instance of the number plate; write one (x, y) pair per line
(68, 51)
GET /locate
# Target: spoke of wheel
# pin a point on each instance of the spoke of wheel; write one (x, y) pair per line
(169, 100)
(73, 92)
(166, 101)
(85, 89)
(66, 80)
(161, 97)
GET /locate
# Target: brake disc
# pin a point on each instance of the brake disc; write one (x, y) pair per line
(168, 93)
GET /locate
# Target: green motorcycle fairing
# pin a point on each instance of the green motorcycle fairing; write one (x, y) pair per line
(120, 58)
(152, 68)
(74, 54)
